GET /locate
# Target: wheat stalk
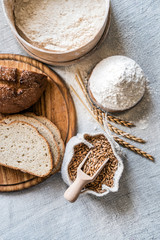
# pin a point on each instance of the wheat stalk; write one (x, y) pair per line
(120, 122)
(86, 107)
(124, 134)
(133, 148)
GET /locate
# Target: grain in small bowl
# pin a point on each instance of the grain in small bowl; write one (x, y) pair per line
(59, 31)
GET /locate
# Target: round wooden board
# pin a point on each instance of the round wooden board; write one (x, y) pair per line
(56, 104)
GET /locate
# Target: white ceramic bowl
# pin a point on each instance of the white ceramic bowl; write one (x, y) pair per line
(52, 57)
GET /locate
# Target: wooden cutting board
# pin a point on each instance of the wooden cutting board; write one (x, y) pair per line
(56, 104)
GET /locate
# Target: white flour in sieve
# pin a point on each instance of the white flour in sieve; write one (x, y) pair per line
(60, 25)
(117, 83)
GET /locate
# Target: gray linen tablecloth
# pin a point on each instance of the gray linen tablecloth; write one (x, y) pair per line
(134, 211)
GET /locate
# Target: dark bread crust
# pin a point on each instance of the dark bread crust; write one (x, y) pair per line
(19, 89)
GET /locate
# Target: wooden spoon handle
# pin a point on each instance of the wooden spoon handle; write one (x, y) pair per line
(72, 193)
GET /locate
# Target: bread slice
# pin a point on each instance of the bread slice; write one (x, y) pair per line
(23, 148)
(56, 133)
(43, 130)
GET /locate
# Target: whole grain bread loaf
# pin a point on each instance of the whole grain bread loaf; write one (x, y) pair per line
(19, 89)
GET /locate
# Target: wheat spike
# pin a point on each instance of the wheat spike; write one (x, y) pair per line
(120, 122)
(133, 148)
(124, 134)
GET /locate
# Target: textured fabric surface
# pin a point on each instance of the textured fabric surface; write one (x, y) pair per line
(134, 212)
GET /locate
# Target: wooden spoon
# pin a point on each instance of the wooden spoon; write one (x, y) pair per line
(72, 193)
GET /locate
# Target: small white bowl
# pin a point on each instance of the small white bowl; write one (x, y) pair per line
(52, 57)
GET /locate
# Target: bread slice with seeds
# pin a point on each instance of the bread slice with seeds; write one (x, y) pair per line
(56, 133)
(43, 130)
(23, 148)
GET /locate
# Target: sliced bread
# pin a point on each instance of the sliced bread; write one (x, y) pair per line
(55, 131)
(23, 148)
(43, 130)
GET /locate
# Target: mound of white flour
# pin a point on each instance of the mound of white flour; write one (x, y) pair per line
(117, 83)
(60, 25)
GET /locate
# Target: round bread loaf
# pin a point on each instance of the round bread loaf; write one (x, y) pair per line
(19, 89)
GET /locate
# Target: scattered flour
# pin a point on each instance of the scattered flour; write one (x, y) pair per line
(60, 25)
(142, 123)
(141, 113)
